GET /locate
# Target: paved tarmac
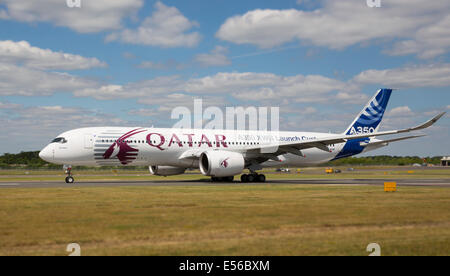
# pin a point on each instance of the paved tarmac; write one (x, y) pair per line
(62, 184)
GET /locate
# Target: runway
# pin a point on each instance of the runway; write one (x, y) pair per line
(400, 182)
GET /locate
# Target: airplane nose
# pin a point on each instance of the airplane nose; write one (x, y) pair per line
(46, 154)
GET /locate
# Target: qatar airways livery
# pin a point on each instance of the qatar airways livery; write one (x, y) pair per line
(221, 154)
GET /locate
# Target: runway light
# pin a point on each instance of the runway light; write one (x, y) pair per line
(390, 186)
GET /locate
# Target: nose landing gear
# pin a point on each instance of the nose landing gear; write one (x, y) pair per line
(68, 171)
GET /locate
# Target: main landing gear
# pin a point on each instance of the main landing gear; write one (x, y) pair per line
(245, 178)
(253, 177)
(68, 171)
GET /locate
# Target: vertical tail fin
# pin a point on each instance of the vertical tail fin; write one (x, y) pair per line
(369, 119)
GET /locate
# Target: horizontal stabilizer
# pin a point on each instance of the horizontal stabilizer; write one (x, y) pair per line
(385, 142)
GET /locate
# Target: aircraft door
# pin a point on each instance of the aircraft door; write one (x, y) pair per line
(88, 141)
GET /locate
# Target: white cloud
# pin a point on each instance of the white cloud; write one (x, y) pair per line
(32, 127)
(306, 110)
(401, 111)
(93, 16)
(309, 110)
(24, 70)
(428, 42)
(17, 80)
(433, 75)
(148, 88)
(231, 82)
(339, 24)
(145, 112)
(104, 92)
(166, 27)
(217, 57)
(169, 64)
(270, 87)
(172, 100)
(5, 106)
(247, 86)
(45, 59)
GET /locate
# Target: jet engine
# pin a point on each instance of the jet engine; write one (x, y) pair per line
(166, 170)
(221, 163)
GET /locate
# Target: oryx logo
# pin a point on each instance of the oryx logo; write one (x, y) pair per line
(120, 148)
(224, 163)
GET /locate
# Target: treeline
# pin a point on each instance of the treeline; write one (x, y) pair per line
(385, 160)
(31, 160)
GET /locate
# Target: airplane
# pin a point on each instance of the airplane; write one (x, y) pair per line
(221, 154)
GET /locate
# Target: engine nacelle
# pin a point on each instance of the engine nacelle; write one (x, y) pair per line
(166, 170)
(221, 163)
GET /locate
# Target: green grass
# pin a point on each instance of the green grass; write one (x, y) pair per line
(225, 220)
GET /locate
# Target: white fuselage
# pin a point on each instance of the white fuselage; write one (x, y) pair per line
(110, 146)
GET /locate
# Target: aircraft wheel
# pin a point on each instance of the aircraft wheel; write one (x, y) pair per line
(261, 178)
(251, 178)
(244, 178)
(70, 180)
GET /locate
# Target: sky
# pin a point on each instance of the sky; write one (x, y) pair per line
(130, 62)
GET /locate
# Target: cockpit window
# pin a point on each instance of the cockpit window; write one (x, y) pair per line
(61, 140)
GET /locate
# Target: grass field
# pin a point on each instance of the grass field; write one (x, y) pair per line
(226, 220)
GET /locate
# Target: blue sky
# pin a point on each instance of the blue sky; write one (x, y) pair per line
(130, 62)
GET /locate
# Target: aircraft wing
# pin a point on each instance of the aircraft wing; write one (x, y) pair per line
(191, 154)
(322, 143)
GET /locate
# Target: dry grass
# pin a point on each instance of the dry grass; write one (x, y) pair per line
(225, 220)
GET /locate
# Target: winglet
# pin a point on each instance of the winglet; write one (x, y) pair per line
(429, 122)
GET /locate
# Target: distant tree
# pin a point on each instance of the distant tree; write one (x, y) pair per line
(31, 159)
(384, 160)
